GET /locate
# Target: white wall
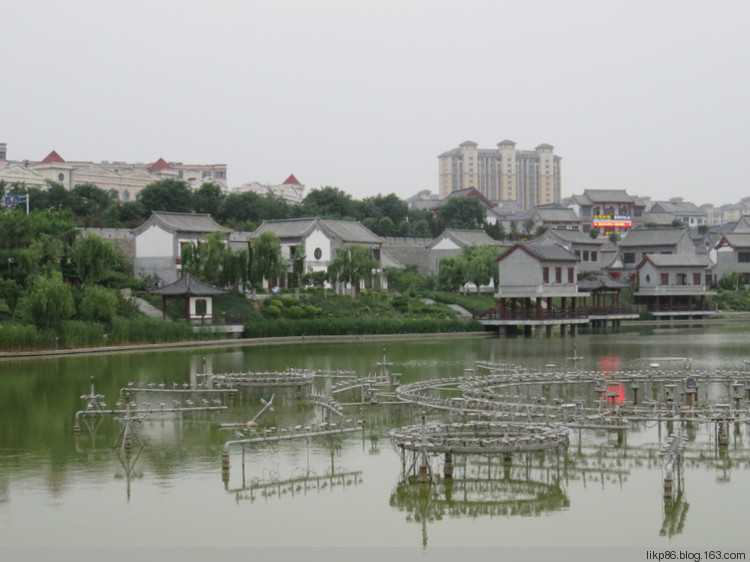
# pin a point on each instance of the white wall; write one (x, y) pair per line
(154, 243)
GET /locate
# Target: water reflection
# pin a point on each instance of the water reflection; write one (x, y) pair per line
(178, 455)
(484, 490)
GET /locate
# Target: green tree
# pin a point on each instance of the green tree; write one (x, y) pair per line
(49, 301)
(330, 203)
(405, 280)
(266, 258)
(94, 259)
(90, 205)
(245, 211)
(514, 234)
(594, 233)
(462, 212)
(386, 227)
(207, 199)
(352, 264)
(169, 194)
(98, 304)
(298, 269)
(46, 252)
(53, 196)
(481, 268)
(381, 206)
(130, 214)
(496, 231)
(11, 294)
(528, 226)
(453, 272)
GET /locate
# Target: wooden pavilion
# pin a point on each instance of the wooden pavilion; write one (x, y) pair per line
(197, 294)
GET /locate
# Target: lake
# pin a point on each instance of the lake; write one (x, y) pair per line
(603, 491)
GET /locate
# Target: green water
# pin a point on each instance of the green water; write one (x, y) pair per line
(348, 493)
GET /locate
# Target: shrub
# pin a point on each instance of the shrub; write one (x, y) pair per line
(312, 311)
(272, 311)
(98, 304)
(81, 334)
(295, 312)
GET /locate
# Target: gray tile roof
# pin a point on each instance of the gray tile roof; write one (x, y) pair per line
(653, 237)
(678, 207)
(349, 232)
(571, 236)
(676, 260)
(187, 222)
(352, 232)
(285, 229)
(658, 218)
(557, 215)
(608, 196)
(739, 240)
(551, 252)
(466, 238)
(187, 285)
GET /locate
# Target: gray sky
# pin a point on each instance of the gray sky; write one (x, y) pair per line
(651, 96)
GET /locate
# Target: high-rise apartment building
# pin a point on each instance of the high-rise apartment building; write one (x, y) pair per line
(528, 177)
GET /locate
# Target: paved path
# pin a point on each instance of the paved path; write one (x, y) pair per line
(463, 314)
(146, 308)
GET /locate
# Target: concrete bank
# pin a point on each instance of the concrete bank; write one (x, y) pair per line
(143, 348)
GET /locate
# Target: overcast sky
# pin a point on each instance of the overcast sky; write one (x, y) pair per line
(651, 96)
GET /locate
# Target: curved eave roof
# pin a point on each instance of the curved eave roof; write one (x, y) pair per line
(188, 286)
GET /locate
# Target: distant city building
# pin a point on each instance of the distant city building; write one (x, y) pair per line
(529, 177)
(292, 191)
(424, 199)
(124, 180)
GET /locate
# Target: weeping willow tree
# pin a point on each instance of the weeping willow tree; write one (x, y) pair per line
(266, 258)
(214, 262)
(352, 264)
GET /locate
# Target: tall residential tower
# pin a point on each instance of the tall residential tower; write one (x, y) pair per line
(528, 177)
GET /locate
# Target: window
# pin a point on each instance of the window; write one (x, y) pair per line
(545, 275)
(697, 279)
(318, 253)
(558, 275)
(571, 275)
(665, 279)
(593, 256)
(743, 257)
(200, 307)
(585, 255)
(628, 257)
(681, 278)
